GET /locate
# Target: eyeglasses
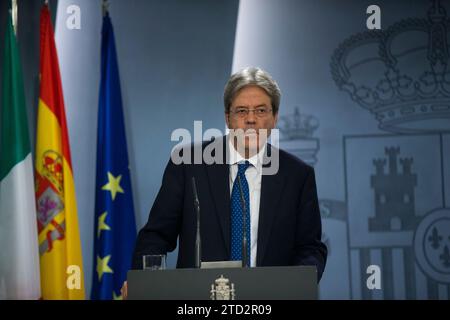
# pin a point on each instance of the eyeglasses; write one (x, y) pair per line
(260, 112)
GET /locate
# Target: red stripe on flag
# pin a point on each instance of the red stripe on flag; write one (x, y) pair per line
(51, 89)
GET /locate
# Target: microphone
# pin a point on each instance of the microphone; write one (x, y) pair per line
(244, 226)
(197, 235)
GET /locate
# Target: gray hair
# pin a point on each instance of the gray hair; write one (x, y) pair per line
(252, 76)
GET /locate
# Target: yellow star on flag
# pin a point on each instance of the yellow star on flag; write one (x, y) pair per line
(113, 185)
(102, 266)
(102, 224)
(116, 297)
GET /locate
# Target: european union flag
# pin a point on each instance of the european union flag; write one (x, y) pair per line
(115, 225)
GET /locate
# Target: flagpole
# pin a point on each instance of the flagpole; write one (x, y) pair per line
(14, 15)
(105, 7)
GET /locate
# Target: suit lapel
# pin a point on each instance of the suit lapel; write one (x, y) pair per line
(271, 190)
(219, 184)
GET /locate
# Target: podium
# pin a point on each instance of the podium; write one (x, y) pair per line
(260, 283)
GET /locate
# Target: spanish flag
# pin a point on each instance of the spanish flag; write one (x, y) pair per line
(59, 240)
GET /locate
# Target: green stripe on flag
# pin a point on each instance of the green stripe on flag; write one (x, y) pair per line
(14, 139)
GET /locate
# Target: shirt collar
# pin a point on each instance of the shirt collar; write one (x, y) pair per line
(235, 157)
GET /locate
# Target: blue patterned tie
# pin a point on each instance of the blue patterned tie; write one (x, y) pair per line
(237, 214)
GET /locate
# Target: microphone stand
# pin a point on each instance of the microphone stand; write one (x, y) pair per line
(197, 235)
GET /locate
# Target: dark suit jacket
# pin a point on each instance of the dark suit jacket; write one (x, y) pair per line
(289, 230)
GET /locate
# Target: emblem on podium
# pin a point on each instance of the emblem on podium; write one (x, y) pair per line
(222, 289)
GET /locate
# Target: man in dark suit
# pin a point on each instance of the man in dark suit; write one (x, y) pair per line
(283, 218)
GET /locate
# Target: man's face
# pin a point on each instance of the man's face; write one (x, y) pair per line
(251, 111)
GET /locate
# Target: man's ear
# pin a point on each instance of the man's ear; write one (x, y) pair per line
(276, 121)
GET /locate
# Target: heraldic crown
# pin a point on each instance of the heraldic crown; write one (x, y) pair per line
(400, 74)
(298, 125)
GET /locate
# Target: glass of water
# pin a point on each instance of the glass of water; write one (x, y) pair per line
(154, 262)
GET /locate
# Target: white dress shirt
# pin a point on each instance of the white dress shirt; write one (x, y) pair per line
(253, 176)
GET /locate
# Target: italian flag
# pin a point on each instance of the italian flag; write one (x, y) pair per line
(19, 255)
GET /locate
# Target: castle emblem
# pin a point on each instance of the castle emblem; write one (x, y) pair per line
(394, 194)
